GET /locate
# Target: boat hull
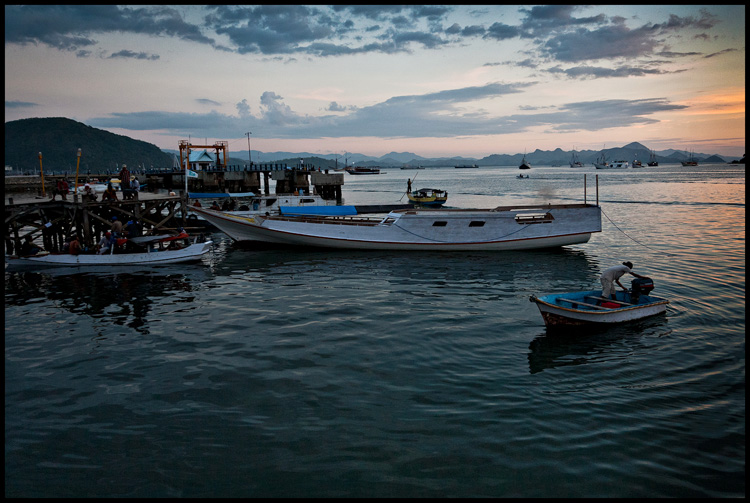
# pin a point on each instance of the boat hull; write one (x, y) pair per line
(190, 253)
(557, 311)
(499, 229)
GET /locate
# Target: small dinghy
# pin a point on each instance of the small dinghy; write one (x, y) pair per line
(590, 308)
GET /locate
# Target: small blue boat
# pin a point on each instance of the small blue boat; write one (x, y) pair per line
(590, 308)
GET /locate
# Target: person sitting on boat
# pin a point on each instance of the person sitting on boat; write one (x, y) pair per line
(225, 205)
(612, 275)
(74, 248)
(28, 248)
(116, 227)
(110, 194)
(104, 244)
(197, 204)
(216, 206)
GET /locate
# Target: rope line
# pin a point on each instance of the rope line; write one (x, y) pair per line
(644, 245)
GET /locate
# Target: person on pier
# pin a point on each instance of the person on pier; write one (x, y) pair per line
(110, 194)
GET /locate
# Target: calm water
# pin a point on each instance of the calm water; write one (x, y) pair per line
(269, 373)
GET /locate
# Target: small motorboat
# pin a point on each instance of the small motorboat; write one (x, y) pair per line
(430, 198)
(589, 308)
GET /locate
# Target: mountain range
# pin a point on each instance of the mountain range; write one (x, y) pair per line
(59, 139)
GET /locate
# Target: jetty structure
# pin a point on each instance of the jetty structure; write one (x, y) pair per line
(32, 210)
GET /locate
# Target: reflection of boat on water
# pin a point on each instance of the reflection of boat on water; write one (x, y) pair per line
(428, 197)
(590, 345)
(145, 250)
(497, 229)
(574, 309)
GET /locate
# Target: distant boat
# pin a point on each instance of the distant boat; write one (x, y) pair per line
(358, 170)
(574, 162)
(524, 164)
(652, 159)
(522, 176)
(466, 166)
(637, 163)
(602, 163)
(691, 161)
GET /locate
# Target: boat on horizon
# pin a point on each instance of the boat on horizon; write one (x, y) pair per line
(496, 229)
(652, 159)
(692, 161)
(524, 164)
(361, 170)
(466, 166)
(574, 161)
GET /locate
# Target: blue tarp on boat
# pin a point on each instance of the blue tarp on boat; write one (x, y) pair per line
(219, 195)
(318, 210)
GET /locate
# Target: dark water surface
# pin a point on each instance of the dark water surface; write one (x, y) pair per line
(279, 372)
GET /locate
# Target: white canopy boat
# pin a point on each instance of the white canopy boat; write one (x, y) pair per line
(497, 229)
(154, 250)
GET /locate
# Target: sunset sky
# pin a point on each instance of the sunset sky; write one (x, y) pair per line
(442, 80)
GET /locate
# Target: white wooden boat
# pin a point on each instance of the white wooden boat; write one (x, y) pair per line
(428, 197)
(589, 308)
(497, 229)
(154, 250)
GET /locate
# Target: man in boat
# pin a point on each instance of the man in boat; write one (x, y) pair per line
(612, 275)
(408, 185)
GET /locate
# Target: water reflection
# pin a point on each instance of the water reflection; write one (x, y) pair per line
(555, 349)
(124, 298)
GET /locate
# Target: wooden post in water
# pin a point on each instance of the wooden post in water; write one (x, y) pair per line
(78, 163)
(597, 190)
(584, 189)
(42, 172)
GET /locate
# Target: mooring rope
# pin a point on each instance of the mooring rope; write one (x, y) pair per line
(644, 245)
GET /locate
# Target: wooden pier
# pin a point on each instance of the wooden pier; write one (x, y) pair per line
(51, 222)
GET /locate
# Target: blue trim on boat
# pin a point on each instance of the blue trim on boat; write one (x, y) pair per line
(330, 210)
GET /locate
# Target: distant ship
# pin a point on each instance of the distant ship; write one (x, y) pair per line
(652, 159)
(466, 166)
(574, 162)
(691, 161)
(524, 164)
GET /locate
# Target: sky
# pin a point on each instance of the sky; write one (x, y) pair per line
(435, 80)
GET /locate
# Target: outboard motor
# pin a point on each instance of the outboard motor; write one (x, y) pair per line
(640, 286)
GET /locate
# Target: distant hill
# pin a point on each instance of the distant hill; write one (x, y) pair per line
(58, 139)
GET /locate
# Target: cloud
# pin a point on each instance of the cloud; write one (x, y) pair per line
(595, 72)
(69, 27)
(206, 101)
(440, 114)
(126, 54)
(20, 104)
